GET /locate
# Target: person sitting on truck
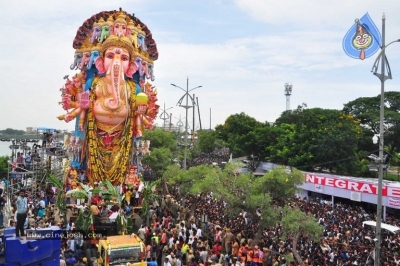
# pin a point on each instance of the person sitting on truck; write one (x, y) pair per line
(95, 212)
(128, 196)
(105, 213)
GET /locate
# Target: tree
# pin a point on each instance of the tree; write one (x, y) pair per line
(208, 141)
(160, 138)
(237, 132)
(317, 138)
(367, 111)
(202, 178)
(296, 223)
(12, 132)
(171, 172)
(4, 166)
(280, 183)
(159, 159)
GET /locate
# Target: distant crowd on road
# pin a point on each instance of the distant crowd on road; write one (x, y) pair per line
(216, 157)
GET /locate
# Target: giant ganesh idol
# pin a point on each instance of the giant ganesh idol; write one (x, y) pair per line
(110, 97)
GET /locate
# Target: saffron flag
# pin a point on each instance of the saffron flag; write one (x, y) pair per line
(363, 39)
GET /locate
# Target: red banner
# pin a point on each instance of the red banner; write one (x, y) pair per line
(353, 185)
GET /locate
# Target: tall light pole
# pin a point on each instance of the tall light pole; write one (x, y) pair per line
(382, 77)
(164, 115)
(186, 106)
(288, 92)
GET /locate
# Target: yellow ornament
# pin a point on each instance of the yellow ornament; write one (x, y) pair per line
(142, 98)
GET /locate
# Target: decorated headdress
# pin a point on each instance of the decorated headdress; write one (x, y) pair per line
(148, 52)
(121, 42)
(120, 18)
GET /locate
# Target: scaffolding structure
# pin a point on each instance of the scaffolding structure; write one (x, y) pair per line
(46, 158)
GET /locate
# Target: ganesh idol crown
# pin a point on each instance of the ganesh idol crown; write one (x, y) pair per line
(110, 98)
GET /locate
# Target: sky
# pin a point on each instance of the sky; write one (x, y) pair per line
(241, 52)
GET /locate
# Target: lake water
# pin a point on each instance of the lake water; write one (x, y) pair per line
(5, 148)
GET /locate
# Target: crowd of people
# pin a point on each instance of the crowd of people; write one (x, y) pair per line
(216, 157)
(178, 237)
(176, 234)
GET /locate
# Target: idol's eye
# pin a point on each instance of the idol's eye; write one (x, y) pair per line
(365, 36)
(125, 58)
(110, 55)
(358, 37)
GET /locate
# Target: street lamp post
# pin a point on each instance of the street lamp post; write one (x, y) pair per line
(187, 106)
(164, 115)
(382, 77)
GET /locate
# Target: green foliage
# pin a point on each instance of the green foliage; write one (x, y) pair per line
(108, 191)
(294, 221)
(280, 184)
(207, 141)
(192, 181)
(77, 193)
(171, 172)
(238, 133)
(149, 195)
(160, 138)
(317, 138)
(159, 159)
(12, 132)
(83, 223)
(129, 226)
(367, 111)
(4, 166)
(60, 200)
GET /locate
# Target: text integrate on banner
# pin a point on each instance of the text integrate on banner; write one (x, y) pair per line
(353, 185)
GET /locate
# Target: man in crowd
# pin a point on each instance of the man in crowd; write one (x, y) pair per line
(22, 209)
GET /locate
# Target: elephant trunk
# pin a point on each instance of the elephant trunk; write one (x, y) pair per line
(95, 34)
(115, 72)
(93, 56)
(74, 64)
(105, 32)
(77, 61)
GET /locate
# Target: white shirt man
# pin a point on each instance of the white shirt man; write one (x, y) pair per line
(191, 239)
(166, 262)
(141, 187)
(178, 262)
(42, 203)
(142, 232)
(199, 233)
(182, 234)
(171, 242)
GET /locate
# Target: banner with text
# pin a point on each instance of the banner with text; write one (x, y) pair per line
(353, 185)
(394, 203)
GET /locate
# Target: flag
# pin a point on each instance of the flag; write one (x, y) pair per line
(363, 39)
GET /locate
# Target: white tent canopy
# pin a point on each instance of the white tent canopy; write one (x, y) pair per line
(391, 228)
